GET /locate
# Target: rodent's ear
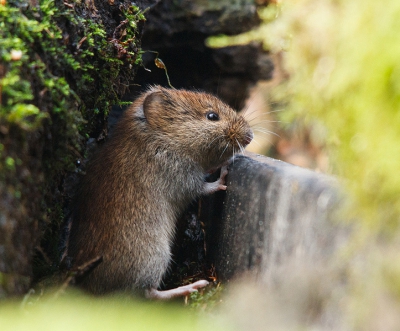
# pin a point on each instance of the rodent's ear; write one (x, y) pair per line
(151, 105)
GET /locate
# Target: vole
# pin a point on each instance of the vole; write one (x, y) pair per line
(142, 179)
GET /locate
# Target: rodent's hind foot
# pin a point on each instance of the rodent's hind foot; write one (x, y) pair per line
(175, 292)
(219, 184)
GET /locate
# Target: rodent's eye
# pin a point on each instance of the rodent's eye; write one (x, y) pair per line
(212, 116)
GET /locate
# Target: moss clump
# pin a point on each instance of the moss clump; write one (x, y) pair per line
(107, 62)
(62, 65)
(207, 299)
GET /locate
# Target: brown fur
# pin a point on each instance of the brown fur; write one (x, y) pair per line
(136, 186)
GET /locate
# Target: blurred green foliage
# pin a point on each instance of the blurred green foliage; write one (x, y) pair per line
(345, 71)
(343, 62)
(77, 312)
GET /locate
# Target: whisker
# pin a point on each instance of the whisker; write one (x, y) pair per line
(269, 121)
(209, 145)
(251, 119)
(263, 114)
(246, 113)
(260, 128)
(256, 121)
(237, 141)
(275, 111)
(265, 131)
(255, 141)
(227, 144)
(242, 149)
(249, 102)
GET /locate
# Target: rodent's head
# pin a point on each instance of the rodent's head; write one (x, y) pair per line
(197, 124)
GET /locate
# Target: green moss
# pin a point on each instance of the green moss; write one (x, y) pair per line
(208, 298)
(61, 69)
(37, 62)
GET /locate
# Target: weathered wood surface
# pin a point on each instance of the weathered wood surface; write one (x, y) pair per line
(271, 214)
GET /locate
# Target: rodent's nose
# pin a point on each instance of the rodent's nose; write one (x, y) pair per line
(248, 138)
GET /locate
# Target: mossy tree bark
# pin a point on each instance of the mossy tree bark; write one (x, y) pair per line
(62, 65)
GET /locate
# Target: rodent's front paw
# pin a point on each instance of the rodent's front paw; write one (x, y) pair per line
(219, 184)
(224, 172)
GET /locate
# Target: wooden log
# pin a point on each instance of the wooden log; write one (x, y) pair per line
(271, 214)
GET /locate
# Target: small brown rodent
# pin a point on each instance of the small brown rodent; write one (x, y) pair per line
(142, 179)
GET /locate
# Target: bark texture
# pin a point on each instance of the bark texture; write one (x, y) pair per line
(273, 213)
